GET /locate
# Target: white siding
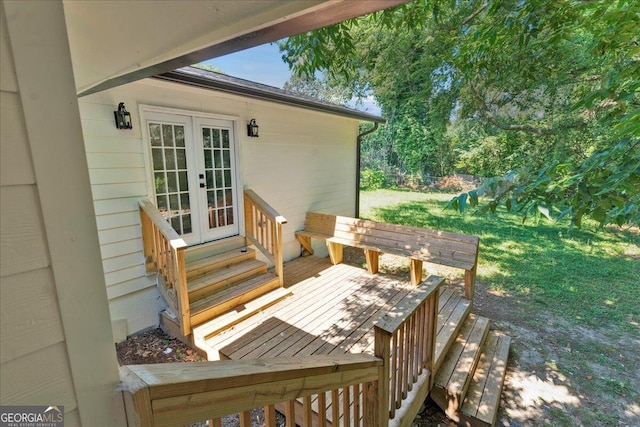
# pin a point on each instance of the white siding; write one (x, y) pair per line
(303, 160)
(34, 365)
(55, 340)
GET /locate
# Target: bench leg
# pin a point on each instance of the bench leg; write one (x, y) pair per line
(469, 282)
(335, 252)
(415, 270)
(305, 242)
(372, 260)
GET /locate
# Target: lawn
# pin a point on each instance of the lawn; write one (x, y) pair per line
(569, 297)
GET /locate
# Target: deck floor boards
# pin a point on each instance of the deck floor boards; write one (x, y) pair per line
(332, 310)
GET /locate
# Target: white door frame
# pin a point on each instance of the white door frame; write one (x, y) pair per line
(191, 117)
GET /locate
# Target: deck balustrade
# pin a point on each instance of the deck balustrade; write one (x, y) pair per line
(263, 227)
(164, 252)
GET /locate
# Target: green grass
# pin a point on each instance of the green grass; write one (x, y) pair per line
(588, 276)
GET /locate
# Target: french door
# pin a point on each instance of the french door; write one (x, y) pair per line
(194, 175)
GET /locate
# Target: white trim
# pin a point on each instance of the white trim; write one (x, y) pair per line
(191, 117)
(180, 112)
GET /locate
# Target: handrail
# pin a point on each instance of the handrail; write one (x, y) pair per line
(330, 387)
(405, 339)
(263, 226)
(164, 252)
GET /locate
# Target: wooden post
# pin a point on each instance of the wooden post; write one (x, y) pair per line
(335, 252)
(470, 282)
(383, 351)
(470, 277)
(416, 271)
(147, 240)
(279, 263)
(182, 293)
(372, 258)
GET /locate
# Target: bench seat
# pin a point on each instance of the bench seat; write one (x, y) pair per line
(418, 244)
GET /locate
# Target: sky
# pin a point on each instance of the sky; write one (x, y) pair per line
(264, 64)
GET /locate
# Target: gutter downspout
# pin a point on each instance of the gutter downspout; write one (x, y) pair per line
(358, 149)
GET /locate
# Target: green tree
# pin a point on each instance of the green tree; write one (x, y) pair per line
(553, 84)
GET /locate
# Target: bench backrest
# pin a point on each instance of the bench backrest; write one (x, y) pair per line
(441, 247)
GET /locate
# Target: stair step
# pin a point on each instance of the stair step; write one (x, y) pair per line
(455, 373)
(451, 319)
(237, 314)
(202, 266)
(215, 281)
(194, 253)
(480, 407)
(231, 297)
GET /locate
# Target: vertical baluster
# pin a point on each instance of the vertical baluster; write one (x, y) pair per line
(411, 324)
(356, 405)
(270, 416)
(405, 361)
(370, 410)
(245, 419)
(394, 377)
(215, 423)
(346, 400)
(421, 338)
(290, 413)
(335, 408)
(307, 412)
(322, 409)
(401, 357)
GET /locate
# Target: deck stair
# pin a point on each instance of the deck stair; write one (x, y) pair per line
(226, 284)
(468, 383)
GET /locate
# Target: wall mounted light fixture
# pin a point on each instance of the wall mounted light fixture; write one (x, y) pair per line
(252, 128)
(123, 117)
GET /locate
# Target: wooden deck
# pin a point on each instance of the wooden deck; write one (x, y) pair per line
(331, 310)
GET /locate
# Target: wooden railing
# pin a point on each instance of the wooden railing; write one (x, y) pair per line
(164, 253)
(263, 226)
(177, 394)
(405, 339)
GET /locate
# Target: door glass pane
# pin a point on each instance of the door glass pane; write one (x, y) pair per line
(179, 130)
(171, 182)
(154, 135)
(218, 174)
(225, 138)
(181, 157)
(167, 136)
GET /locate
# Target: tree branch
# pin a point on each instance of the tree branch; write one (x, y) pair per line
(466, 20)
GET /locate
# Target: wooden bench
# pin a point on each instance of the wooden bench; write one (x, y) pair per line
(417, 244)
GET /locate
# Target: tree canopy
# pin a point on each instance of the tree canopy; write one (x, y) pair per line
(543, 96)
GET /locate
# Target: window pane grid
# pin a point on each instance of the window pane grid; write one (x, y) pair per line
(218, 172)
(170, 174)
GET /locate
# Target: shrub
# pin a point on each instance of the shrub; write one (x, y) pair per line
(371, 179)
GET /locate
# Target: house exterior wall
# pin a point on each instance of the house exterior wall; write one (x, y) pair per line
(303, 160)
(55, 337)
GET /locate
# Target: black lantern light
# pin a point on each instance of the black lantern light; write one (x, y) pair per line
(123, 117)
(252, 128)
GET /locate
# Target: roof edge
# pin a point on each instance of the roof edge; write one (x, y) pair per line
(221, 82)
